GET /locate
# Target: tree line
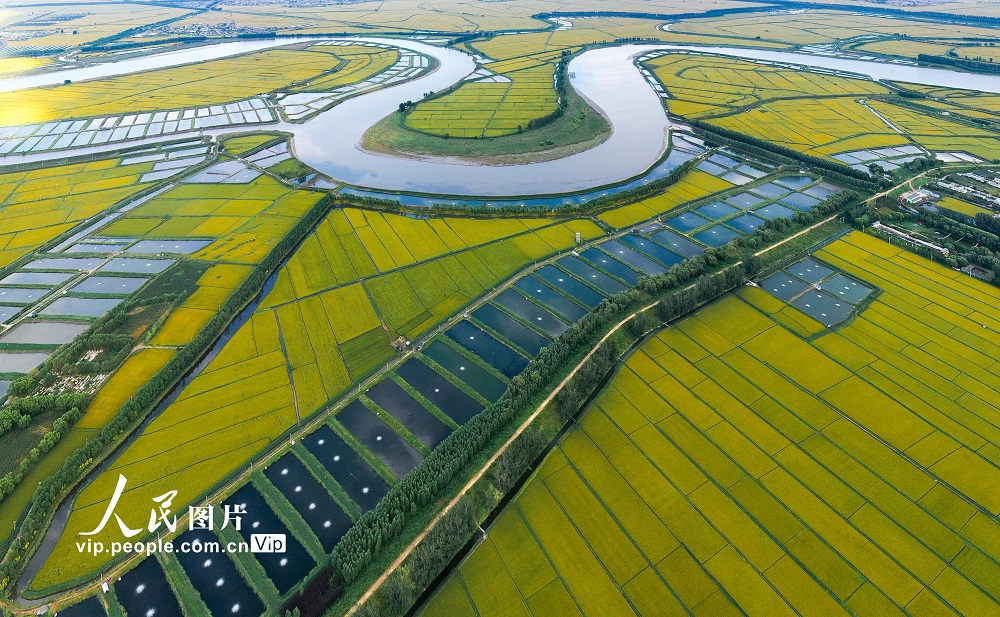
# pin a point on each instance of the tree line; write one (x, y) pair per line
(977, 66)
(716, 271)
(834, 170)
(49, 493)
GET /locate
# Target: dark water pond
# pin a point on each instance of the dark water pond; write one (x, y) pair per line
(652, 249)
(686, 221)
(745, 200)
(284, 569)
(9, 312)
(611, 265)
(326, 519)
(365, 487)
(637, 260)
(445, 395)
(21, 295)
(391, 397)
(511, 329)
(180, 247)
(486, 346)
(809, 270)
(825, 308)
(112, 285)
(46, 279)
(775, 211)
(716, 235)
(747, 223)
(783, 286)
(478, 378)
(769, 190)
(215, 577)
(131, 265)
(532, 313)
(822, 191)
(91, 607)
(36, 332)
(374, 434)
(84, 247)
(584, 294)
(717, 210)
(678, 243)
(64, 263)
(20, 362)
(144, 591)
(799, 201)
(590, 275)
(795, 182)
(81, 307)
(847, 288)
(555, 301)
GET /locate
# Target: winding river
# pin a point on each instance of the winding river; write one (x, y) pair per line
(607, 77)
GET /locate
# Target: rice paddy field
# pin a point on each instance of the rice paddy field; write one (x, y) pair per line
(962, 206)
(734, 466)
(68, 25)
(355, 285)
(40, 205)
(485, 108)
(818, 26)
(203, 237)
(821, 442)
(701, 86)
(695, 185)
(905, 48)
(206, 83)
(16, 65)
(415, 16)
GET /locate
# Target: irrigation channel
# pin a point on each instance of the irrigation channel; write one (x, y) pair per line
(606, 76)
(469, 365)
(429, 394)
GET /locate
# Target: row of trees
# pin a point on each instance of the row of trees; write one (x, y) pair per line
(976, 66)
(953, 225)
(48, 441)
(364, 541)
(983, 232)
(150, 43)
(834, 170)
(48, 494)
(400, 591)
(561, 96)
(679, 291)
(852, 9)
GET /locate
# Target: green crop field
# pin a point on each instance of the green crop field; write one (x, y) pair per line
(756, 457)
(821, 27)
(692, 187)
(39, 205)
(207, 83)
(328, 322)
(708, 86)
(734, 467)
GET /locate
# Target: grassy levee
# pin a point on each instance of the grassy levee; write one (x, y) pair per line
(734, 467)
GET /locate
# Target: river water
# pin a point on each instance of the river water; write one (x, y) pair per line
(607, 77)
